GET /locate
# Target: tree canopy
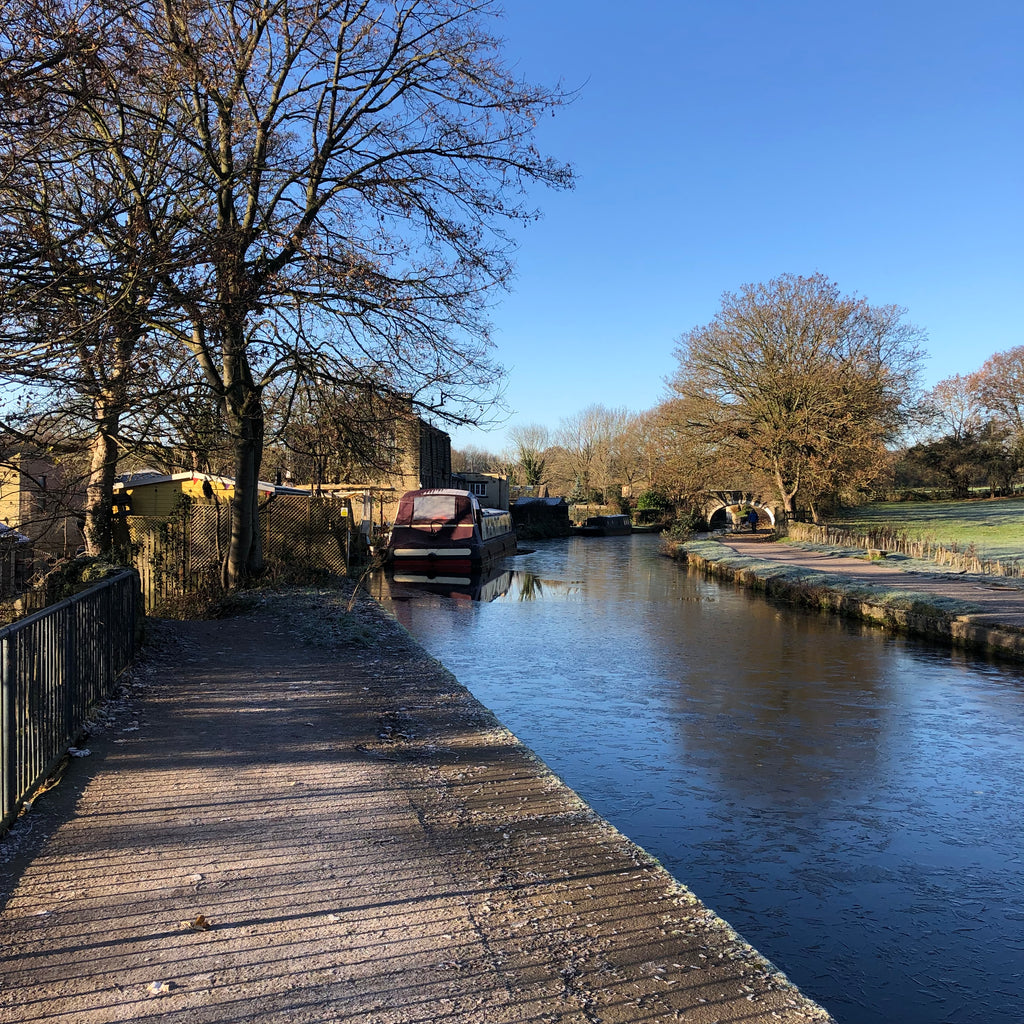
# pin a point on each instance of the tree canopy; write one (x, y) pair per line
(999, 386)
(338, 177)
(798, 384)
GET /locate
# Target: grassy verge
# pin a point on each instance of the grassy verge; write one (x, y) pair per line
(905, 563)
(993, 528)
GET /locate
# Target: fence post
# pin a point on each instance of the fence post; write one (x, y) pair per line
(68, 661)
(8, 745)
(108, 628)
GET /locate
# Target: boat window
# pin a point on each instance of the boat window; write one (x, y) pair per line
(430, 507)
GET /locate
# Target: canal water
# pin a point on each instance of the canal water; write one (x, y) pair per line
(849, 801)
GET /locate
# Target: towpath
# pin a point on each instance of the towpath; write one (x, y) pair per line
(276, 824)
(999, 603)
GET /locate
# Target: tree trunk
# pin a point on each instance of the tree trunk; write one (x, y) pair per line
(99, 492)
(786, 494)
(245, 549)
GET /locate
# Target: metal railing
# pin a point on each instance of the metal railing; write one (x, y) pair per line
(54, 666)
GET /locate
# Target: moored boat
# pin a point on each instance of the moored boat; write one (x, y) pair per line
(446, 532)
(604, 526)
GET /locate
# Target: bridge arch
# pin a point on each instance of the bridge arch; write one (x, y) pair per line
(720, 509)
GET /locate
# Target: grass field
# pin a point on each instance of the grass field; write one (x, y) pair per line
(995, 527)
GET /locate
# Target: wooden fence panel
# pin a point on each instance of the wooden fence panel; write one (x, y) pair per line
(183, 555)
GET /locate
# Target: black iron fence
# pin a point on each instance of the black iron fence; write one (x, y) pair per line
(54, 666)
(15, 560)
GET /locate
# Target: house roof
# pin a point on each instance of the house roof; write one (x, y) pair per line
(551, 502)
(8, 533)
(148, 476)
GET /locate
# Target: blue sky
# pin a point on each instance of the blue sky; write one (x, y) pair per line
(722, 142)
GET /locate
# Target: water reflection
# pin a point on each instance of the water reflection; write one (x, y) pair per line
(500, 582)
(406, 586)
(850, 801)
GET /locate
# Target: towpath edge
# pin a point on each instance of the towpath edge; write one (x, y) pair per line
(876, 592)
(277, 824)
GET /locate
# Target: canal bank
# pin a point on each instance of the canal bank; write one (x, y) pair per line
(295, 815)
(849, 799)
(979, 613)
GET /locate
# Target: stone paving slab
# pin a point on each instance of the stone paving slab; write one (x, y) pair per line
(280, 828)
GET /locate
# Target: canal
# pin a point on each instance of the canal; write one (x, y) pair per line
(850, 802)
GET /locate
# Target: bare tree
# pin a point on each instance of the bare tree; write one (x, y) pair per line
(999, 385)
(341, 174)
(615, 456)
(800, 383)
(529, 443)
(90, 187)
(471, 459)
(595, 445)
(965, 446)
(954, 407)
(685, 464)
(358, 157)
(582, 437)
(633, 450)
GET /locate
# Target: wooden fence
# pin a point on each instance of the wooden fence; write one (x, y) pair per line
(54, 666)
(964, 558)
(183, 555)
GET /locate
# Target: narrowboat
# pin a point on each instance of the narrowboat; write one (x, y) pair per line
(604, 526)
(446, 532)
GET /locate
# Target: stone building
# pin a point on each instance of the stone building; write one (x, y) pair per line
(422, 457)
(491, 489)
(38, 500)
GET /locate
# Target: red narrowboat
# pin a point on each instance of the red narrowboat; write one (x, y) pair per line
(443, 531)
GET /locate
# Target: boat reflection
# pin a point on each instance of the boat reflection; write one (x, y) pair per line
(480, 586)
(498, 583)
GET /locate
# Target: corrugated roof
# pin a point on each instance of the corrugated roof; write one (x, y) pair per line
(10, 534)
(540, 501)
(149, 476)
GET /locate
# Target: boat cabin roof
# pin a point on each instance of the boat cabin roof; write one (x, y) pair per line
(432, 503)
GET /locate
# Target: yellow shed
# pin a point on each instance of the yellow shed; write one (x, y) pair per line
(160, 494)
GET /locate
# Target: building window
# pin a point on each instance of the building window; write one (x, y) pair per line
(480, 490)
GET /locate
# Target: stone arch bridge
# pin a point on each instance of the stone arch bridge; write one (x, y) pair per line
(718, 505)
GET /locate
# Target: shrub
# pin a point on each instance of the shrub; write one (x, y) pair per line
(653, 500)
(687, 524)
(71, 575)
